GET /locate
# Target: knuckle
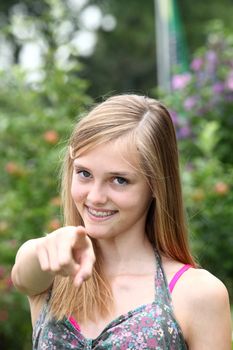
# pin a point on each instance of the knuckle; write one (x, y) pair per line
(39, 245)
(45, 268)
(65, 262)
(55, 268)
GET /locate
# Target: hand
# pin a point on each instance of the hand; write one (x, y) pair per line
(67, 251)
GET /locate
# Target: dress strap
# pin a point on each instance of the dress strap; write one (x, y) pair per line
(162, 293)
(177, 276)
(74, 323)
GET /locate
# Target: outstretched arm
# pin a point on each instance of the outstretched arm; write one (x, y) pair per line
(67, 251)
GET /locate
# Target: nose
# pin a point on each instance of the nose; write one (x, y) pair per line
(97, 194)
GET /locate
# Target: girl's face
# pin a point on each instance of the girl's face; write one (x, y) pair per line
(111, 196)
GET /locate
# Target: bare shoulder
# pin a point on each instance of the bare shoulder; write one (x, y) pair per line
(203, 288)
(205, 294)
(196, 285)
(208, 311)
(201, 306)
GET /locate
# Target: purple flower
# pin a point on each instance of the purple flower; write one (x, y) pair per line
(180, 81)
(190, 102)
(184, 132)
(196, 64)
(174, 117)
(218, 87)
(211, 57)
(211, 62)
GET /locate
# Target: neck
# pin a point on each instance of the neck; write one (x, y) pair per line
(124, 257)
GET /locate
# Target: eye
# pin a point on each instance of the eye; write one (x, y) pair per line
(84, 174)
(120, 180)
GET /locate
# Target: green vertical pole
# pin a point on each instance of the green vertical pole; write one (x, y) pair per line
(177, 44)
(162, 43)
(171, 50)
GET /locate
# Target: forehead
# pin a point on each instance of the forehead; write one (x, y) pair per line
(119, 152)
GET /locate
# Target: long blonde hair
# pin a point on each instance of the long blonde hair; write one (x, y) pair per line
(146, 123)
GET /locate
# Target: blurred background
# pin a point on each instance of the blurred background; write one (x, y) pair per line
(57, 57)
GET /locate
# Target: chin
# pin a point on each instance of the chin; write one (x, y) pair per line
(98, 234)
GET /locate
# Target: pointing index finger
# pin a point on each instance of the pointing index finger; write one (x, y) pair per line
(81, 240)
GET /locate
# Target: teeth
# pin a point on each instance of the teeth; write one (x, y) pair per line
(100, 213)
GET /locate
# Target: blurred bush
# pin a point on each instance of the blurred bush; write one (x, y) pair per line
(201, 104)
(35, 121)
(36, 118)
(38, 108)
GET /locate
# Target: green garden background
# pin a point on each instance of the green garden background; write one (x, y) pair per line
(41, 100)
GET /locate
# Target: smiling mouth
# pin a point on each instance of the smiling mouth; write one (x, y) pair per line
(101, 213)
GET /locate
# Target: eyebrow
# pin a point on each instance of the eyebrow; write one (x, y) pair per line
(122, 174)
(112, 173)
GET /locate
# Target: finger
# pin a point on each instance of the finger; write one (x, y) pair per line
(66, 261)
(85, 270)
(43, 258)
(80, 240)
(53, 255)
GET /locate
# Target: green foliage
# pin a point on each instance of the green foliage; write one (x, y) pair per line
(35, 121)
(34, 126)
(201, 105)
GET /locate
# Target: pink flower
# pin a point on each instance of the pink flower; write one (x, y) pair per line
(190, 102)
(229, 81)
(196, 64)
(180, 81)
(146, 322)
(151, 342)
(8, 283)
(158, 311)
(50, 335)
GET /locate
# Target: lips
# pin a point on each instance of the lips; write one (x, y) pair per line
(103, 213)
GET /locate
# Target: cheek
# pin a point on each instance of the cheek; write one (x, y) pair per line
(77, 192)
(144, 198)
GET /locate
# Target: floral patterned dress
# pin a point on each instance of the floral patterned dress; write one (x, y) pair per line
(150, 326)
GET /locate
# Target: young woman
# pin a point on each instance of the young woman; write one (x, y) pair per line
(119, 274)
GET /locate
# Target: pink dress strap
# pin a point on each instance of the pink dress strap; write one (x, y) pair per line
(176, 277)
(74, 323)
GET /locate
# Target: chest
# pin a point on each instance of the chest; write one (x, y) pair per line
(129, 293)
(150, 326)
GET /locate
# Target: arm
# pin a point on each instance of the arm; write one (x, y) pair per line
(67, 251)
(27, 274)
(209, 314)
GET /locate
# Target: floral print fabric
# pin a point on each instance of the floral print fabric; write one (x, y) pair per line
(150, 326)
